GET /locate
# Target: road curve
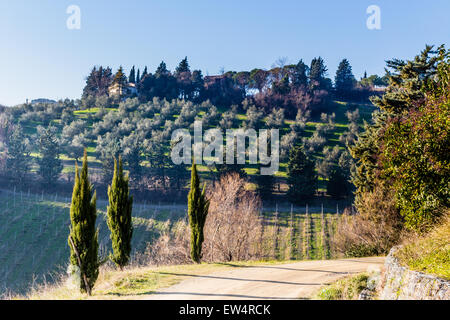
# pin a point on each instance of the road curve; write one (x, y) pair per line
(297, 280)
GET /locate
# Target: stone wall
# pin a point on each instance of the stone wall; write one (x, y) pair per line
(400, 283)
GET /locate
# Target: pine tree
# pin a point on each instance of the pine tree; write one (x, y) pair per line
(132, 76)
(344, 80)
(119, 216)
(300, 74)
(183, 66)
(83, 237)
(50, 165)
(120, 80)
(302, 178)
(198, 207)
(18, 159)
(161, 70)
(317, 73)
(404, 91)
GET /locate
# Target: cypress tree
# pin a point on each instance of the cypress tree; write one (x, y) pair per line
(138, 76)
(198, 207)
(119, 216)
(144, 73)
(132, 76)
(83, 237)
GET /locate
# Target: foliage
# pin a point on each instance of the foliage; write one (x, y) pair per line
(344, 81)
(119, 216)
(198, 207)
(232, 229)
(302, 179)
(407, 144)
(18, 160)
(348, 288)
(374, 229)
(416, 155)
(338, 186)
(50, 165)
(429, 253)
(83, 234)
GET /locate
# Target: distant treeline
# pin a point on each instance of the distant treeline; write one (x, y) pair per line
(287, 86)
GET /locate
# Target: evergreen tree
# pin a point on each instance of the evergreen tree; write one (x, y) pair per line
(83, 237)
(317, 73)
(403, 93)
(120, 80)
(132, 76)
(198, 207)
(300, 77)
(161, 70)
(265, 185)
(144, 73)
(302, 178)
(119, 216)
(50, 166)
(138, 76)
(98, 82)
(183, 66)
(338, 185)
(344, 81)
(18, 159)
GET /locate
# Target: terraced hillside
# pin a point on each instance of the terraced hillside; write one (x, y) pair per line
(141, 132)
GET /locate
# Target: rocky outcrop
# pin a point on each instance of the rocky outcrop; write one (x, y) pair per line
(400, 283)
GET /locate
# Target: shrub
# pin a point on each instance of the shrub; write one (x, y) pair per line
(345, 289)
(374, 230)
(232, 229)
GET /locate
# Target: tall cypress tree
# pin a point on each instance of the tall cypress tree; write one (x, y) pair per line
(119, 216)
(83, 237)
(132, 76)
(138, 76)
(198, 207)
(144, 73)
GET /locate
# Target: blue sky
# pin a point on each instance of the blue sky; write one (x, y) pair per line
(40, 57)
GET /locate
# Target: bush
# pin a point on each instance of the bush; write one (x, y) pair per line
(373, 231)
(232, 229)
(345, 289)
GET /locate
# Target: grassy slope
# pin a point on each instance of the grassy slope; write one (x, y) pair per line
(429, 254)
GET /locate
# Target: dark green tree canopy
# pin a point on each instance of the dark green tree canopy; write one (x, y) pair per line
(119, 216)
(83, 237)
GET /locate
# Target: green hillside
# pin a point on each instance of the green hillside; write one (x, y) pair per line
(140, 123)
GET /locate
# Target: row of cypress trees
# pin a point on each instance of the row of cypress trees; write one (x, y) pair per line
(83, 236)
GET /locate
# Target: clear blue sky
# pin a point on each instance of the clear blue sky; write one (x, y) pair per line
(40, 57)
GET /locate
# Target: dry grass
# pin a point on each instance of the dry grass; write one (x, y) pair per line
(373, 231)
(430, 253)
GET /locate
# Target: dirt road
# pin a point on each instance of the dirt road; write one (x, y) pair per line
(285, 281)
